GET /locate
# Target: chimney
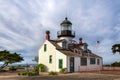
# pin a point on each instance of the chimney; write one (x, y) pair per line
(47, 35)
(80, 41)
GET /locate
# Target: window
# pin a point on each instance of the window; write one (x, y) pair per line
(50, 59)
(66, 27)
(98, 61)
(64, 45)
(92, 60)
(45, 47)
(75, 51)
(83, 61)
(60, 63)
(85, 47)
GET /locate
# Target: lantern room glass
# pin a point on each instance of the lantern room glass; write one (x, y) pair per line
(66, 27)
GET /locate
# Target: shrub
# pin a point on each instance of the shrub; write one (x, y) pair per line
(63, 70)
(116, 64)
(22, 73)
(53, 73)
(12, 68)
(28, 73)
(41, 67)
(32, 73)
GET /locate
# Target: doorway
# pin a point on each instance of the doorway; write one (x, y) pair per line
(71, 64)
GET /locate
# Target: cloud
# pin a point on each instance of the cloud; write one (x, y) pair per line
(23, 24)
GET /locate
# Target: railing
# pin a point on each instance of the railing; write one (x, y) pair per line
(66, 33)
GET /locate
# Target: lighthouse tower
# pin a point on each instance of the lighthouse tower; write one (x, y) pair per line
(66, 31)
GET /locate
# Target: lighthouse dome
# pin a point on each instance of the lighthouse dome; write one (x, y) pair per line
(66, 21)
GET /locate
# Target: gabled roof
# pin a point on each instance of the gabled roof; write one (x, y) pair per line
(69, 52)
(94, 55)
(54, 42)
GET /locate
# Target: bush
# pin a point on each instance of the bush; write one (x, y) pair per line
(28, 73)
(53, 73)
(23, 73)
(63, 70)
(12, 68)
(116, 64)
(41, 67)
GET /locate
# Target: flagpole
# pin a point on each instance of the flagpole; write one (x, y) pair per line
(97, 47)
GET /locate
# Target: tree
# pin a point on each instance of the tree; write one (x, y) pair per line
(116, 64)
(116, 48)
(8, 58)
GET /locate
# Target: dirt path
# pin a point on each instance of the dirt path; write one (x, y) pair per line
(69, 76)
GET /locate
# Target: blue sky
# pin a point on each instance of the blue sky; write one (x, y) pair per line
(23, 24)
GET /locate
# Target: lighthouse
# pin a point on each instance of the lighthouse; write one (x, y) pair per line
(66, 53)
(66, 31)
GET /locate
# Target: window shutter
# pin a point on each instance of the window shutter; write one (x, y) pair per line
(60, 63)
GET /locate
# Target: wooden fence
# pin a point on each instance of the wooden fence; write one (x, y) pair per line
(111, 68)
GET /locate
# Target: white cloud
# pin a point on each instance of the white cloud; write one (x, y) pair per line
(23, 23)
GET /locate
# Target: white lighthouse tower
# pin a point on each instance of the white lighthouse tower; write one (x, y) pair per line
(66, 31)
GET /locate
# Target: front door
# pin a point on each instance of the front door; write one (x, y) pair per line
(71, 64)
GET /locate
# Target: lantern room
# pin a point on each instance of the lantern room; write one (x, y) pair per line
(66, 29)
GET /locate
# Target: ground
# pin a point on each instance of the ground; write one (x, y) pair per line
(103, 75)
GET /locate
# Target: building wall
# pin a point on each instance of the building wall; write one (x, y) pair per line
(77, 64)
(68, 39)
(89, 67)
(60, 55)
(56, 55)
(44, 56)
(68, 64)
(60, 44)
(92, 67)
(110, 68)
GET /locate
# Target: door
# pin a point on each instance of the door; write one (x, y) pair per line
(71, 64)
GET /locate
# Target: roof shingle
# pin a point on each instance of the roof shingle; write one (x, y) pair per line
(69, 52)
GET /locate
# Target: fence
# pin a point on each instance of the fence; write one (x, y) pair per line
(110, 68)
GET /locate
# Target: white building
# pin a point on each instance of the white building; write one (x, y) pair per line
(67, 53)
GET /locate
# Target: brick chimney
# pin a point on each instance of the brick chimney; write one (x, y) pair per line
(47, 35)
(80, 41)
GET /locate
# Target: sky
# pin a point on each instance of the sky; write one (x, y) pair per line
(23, 24)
